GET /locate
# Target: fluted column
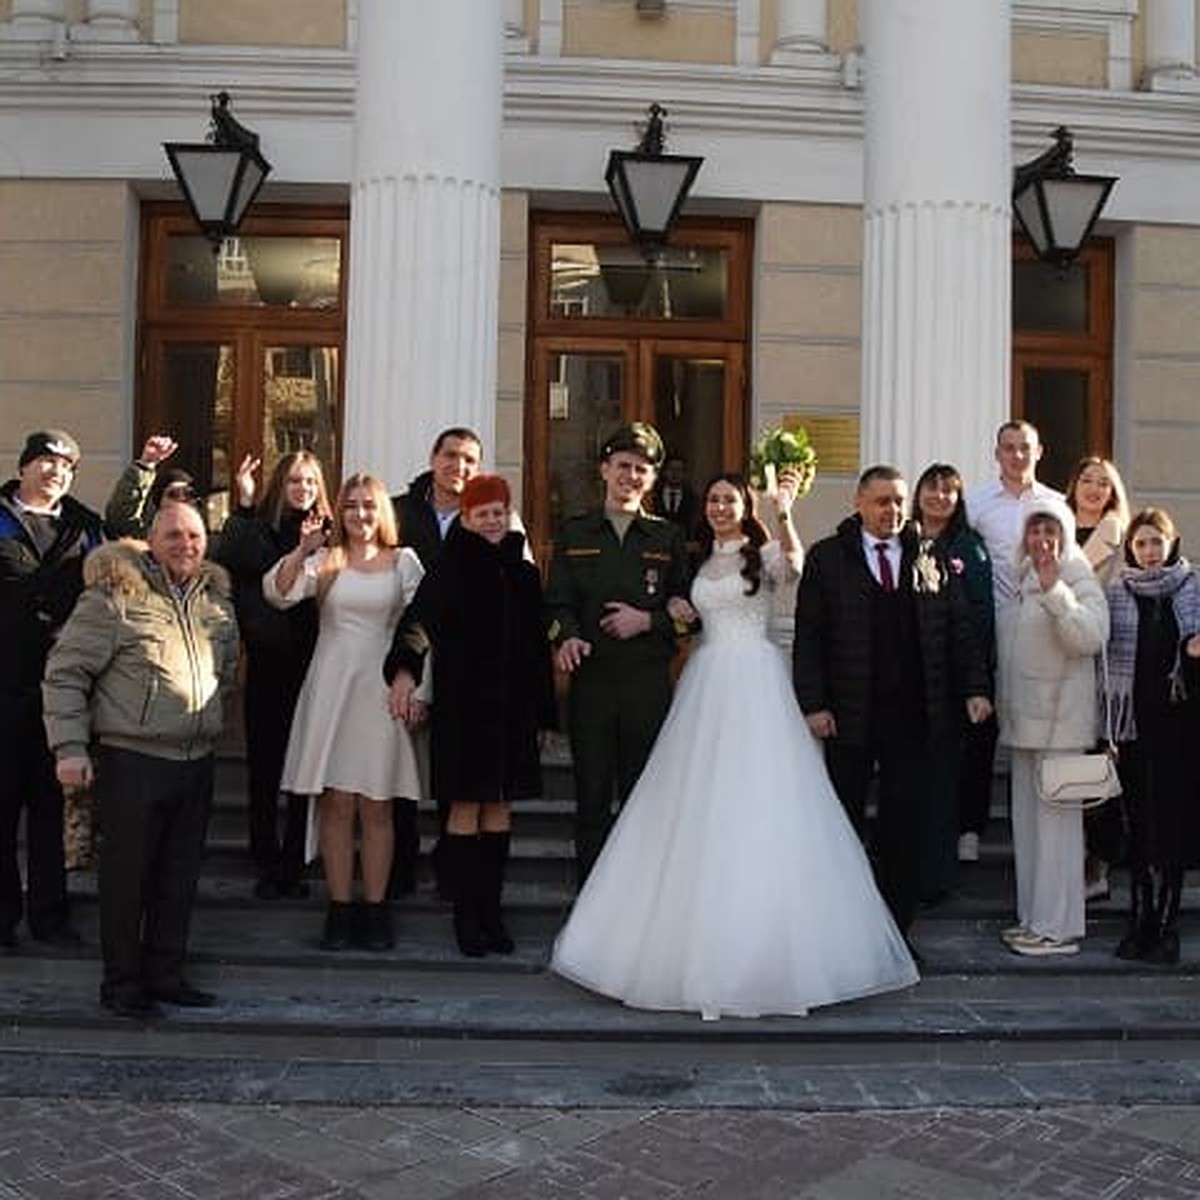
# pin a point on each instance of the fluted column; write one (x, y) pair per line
(1170, 42)
(109, 21)
(34, 20)
(937, 228)
(799, 28)
(424, 231)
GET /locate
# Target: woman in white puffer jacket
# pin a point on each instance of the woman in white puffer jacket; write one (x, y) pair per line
(1047, 640)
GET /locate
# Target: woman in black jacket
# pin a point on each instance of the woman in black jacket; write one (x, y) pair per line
(278, 646)
(479, 610)
(1153, 644)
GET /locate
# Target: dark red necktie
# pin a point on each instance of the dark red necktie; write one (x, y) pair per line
(886, 579)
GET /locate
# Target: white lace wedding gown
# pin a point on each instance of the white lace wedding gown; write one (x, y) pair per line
(732, 883)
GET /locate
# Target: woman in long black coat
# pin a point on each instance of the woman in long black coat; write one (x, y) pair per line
(1154, 640)
(479, 610)
(278, 648)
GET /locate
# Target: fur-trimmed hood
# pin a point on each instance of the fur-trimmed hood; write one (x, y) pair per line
(126, 568)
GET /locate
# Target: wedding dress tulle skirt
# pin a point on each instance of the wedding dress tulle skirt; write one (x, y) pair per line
(732, 883)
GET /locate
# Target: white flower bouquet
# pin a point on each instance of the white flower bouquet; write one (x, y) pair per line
(778, 449)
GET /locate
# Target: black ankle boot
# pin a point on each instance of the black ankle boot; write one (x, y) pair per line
(339, 926)
(1165, 951)
(461, 860)
(377, 932)
(493, 854)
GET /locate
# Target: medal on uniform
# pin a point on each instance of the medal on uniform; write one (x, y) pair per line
(651, 580)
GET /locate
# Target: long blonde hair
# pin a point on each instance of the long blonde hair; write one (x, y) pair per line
(386, 534)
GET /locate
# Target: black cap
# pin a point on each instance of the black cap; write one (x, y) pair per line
(57, 442)
(636, 438)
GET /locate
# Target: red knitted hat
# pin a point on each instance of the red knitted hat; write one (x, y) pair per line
(484, 489)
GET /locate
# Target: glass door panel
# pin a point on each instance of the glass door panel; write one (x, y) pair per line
(585, 403)
(689, 412)
(300, 389)
(1059, 402)
(194, 385)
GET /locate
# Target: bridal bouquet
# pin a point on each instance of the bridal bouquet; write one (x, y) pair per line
(778, 449)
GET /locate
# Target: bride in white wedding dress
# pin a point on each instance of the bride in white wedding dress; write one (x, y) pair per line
(732, 884)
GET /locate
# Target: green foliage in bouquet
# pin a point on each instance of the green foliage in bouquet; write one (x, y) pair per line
(779, 448)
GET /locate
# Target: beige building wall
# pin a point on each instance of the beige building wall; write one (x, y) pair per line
(841, 19)
(506, 444)
(1069, 60)
(263, 22)
(1162, 303)
(66, 307)
(613, 29)
(807, 340)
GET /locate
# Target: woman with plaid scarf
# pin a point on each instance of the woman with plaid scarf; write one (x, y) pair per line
(1154, 640)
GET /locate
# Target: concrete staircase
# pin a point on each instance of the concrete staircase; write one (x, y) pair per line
(420, 1024)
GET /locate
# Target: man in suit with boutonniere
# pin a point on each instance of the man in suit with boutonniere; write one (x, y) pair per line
(884, 657)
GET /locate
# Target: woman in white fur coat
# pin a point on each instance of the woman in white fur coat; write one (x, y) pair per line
(1046, 702)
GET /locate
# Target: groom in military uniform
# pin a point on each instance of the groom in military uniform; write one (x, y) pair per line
(611, 576)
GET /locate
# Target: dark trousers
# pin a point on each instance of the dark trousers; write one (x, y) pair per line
(613, 724)
(153, 818)
(898, 753)
(976, 775)
(27, 781)
(273, 680)
(939, 816)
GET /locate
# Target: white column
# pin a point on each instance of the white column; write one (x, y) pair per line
(1170, 41)
(109, 21)
(514, 19)
(32, 12)
(937, 228)
(424, 231)
(37, 21)
(800, 27)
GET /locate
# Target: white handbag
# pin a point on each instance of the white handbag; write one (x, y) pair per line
(1082, 779)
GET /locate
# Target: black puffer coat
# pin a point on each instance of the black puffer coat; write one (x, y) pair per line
(480, 608)
(831, 653)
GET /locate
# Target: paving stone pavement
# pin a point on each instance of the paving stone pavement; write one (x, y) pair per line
(114, 1150)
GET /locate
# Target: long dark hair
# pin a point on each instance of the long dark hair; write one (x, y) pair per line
(752, 527)
(936, 473)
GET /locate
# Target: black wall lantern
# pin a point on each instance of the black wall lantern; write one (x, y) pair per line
(1055, 207)
(220, 177)
(648, 186)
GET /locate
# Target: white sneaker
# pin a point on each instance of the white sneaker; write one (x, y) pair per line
(968, 847)
(1013, 931)
(1041, 947)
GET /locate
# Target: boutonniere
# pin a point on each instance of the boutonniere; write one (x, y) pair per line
(957, 565)
(927, 574)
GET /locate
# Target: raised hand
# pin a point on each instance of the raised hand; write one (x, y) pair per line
(247, 485)
(158, 448)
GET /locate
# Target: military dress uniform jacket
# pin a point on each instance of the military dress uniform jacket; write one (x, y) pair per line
(593, 567)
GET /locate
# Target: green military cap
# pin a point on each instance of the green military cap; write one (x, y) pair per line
(637, 438)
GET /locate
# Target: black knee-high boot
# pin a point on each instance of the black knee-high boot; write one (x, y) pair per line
(462, 864)
(494, 856)
(1166, 911)
(1142, 932)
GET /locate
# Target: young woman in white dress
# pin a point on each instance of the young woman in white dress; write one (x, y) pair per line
(732, 883)
(345, 750)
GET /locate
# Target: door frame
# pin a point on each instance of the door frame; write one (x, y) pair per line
(1089, 351)
(639, 356)
(637, 340)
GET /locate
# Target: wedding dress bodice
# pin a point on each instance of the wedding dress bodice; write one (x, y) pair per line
(719, 592)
